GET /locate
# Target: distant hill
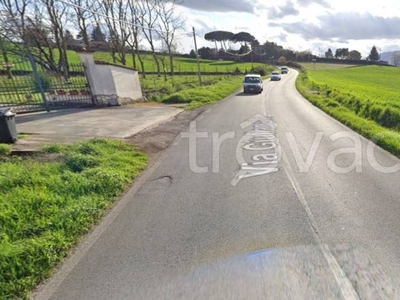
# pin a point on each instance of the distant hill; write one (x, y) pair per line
(386, 56)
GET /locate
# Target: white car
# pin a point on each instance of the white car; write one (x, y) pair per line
(275, 76)
(252, 83)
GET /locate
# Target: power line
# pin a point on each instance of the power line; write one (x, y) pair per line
(111, 18)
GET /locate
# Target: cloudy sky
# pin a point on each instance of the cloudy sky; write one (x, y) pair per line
(314, 25)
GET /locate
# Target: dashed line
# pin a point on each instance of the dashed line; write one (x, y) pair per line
(207, 111)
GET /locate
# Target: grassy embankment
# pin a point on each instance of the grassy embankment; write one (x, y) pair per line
(49, 201)
(364, 98)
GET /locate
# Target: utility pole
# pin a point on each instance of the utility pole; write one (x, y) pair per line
(197, 55)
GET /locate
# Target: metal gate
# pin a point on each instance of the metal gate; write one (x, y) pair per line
(25, 86)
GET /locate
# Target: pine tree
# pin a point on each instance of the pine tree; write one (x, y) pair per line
(374, 54)
(97, 35)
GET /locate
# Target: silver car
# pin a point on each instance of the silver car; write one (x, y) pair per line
(275, 76)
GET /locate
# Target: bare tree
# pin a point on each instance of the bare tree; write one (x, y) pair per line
(148, 18)
(57, 14)
(83, 17)
(23, 25)
(395, 58)
(134, 41)
(118, 28)
(14, 16)
(168, 23)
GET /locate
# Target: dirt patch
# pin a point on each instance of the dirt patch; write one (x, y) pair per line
(154, 140)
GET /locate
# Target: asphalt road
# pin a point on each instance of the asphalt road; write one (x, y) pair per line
(286, 178)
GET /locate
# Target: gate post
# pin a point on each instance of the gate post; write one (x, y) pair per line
(39, 81)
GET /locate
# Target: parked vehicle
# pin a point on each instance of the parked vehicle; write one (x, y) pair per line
(252, 83)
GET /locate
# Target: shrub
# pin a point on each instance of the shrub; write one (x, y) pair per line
(237, 71)
(54, 148)
(176, 98)
(390, 118)
(294, 65)
(77, 162)
(5, 149)
(259, 70)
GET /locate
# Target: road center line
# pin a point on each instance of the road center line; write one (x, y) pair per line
(346, 288)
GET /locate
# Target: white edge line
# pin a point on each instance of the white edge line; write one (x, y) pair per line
(199, 118)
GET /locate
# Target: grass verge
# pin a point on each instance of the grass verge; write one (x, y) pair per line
(49, 201)
(362, 115)
(201, 95)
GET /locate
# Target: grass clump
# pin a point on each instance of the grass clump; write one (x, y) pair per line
(49, 201)
(5, 149)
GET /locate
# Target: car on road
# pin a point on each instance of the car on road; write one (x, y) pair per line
(252, 83)
(284, 70)
(275, 76)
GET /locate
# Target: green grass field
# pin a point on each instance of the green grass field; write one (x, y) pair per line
(364, 98)
(49, 201)
(371, 83)
(324, 66)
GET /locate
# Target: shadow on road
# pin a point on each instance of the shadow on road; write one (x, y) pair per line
(29, 117)
(241, 94)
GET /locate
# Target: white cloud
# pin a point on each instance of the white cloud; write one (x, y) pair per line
(300, 24)
(309, 2)
(345, 26)
(220, 5)
(286, 10)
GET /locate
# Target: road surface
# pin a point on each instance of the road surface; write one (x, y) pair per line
(264, 197)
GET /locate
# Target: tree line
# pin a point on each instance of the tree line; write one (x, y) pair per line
(344, 53)
(243, 46)
(251, 50)
(44, 29)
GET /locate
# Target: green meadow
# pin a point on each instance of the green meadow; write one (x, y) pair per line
(365, 98)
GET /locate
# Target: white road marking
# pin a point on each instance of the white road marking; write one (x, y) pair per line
(342, 280)
(261, 140)
(199, 118)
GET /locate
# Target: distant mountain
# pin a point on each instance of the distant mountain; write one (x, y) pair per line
(386, 56)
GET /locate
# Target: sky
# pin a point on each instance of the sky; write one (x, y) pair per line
(314, 25)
